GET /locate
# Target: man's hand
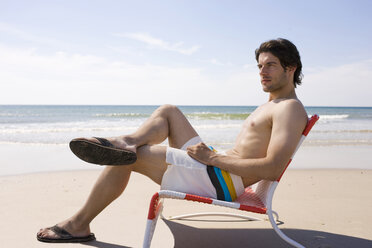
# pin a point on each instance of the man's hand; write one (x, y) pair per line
(201, 152)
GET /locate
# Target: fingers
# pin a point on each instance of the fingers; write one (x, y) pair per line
(198, 147)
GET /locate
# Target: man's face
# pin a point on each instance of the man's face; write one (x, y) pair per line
(272, 74)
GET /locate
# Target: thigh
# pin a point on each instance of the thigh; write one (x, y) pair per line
(180, 129)
(151, 162)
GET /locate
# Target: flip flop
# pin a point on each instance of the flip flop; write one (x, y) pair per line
(64, 236)
(103, 153)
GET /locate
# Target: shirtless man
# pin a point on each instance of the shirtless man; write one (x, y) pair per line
(262, 150)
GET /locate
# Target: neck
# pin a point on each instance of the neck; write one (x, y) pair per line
(284, 93)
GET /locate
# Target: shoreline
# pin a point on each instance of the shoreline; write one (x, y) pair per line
(18, 159)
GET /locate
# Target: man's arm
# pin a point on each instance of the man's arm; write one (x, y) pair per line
(288, 120)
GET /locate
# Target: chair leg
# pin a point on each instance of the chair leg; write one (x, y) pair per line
(150, 228)
(280, 233)
(156, 207)
(276, 215)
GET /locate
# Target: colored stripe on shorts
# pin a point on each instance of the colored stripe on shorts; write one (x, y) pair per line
(216, 183)
(229, 184)
(222, 182)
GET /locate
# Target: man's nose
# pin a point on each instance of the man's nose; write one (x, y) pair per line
(263, 70)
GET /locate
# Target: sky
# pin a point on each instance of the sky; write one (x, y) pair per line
(179, 52)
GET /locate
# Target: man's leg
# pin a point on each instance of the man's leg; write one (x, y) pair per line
(166, 122)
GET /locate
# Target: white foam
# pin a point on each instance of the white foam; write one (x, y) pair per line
(324, 117)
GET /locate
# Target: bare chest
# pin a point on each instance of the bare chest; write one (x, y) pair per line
(254, 137)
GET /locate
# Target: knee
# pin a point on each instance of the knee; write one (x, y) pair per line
(168, 108)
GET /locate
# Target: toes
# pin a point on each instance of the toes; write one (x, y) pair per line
(44, 232)
(40, 232)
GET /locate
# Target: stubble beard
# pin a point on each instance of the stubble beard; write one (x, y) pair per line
(276, 84)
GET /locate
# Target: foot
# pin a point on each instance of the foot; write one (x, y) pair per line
(65, 232)
(121, 142)
(102, 151)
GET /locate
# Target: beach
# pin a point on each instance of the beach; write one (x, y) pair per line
(323, 200)
(76, 72)
(319, 207)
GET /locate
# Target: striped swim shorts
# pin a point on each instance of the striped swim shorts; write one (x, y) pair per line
(187, 175)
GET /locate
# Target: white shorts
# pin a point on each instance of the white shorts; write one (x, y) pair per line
(187, 175)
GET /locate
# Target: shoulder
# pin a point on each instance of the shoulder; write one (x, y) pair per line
(289, 106)
(290, 111)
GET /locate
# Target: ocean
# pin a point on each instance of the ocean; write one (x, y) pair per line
(217, 125)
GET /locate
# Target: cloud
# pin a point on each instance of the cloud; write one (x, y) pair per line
(250, 67)
(160, 44)
(217, 62)
(26, 36)
(29, 77)
(344, 85)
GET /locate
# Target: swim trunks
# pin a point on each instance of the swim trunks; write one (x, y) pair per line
(187, 175)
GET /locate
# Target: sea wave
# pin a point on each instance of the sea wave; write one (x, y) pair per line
(217, 116)
(122, 115)
(196, 115)
(211, 116)
(216, 126)
(32, 143)
(19, 115)
(343, 131)
(41, 130)
(62, 130)
(332, 117)
(339, 142)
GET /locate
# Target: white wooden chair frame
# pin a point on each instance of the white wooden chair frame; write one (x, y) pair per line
(256, 199)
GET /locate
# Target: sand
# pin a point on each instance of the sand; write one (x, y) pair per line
(318, 207)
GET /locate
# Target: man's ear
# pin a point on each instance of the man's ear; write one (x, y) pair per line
(291, 68)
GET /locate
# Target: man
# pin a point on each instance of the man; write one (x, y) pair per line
(263, 148)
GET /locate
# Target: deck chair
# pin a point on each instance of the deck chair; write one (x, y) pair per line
(256, 199)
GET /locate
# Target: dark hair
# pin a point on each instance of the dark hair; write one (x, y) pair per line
(287, 54)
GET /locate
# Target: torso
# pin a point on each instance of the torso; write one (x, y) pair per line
(254, 137)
